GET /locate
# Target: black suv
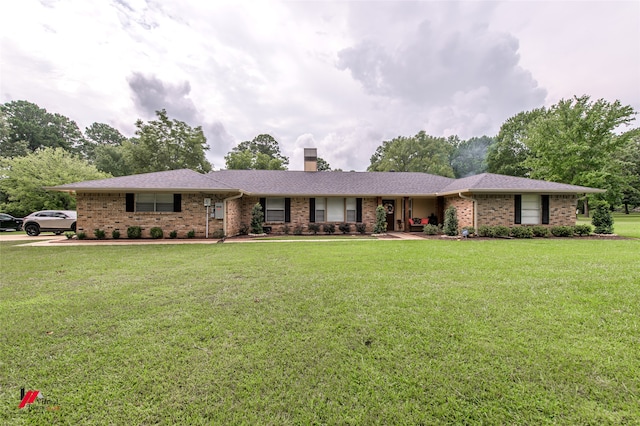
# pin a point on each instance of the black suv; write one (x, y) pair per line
(56, 221)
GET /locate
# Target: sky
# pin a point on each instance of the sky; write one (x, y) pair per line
(340, 76)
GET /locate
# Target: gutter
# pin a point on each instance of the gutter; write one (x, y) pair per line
(224, 206)
(475, 210)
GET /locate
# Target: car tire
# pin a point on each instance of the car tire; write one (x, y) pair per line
(73, 227)
(32, 230)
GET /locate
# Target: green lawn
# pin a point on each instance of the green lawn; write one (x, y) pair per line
(627, 225)
(364, 332)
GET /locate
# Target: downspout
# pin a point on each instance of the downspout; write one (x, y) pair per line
(224, 206)
(475, 209)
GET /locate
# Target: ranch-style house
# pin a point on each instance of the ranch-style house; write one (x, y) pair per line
(220, 202)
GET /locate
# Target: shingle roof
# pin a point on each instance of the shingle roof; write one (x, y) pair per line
(183, 179)
(278, 182)
(293, 183)
(489, 182)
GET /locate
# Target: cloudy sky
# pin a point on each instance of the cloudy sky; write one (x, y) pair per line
(342, 76)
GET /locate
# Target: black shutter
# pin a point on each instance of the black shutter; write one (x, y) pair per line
(545, 209)
(287, 210)
(312, 210)
(358, 210)
(177, 202)
(263, 203)
(518, 209)
(130, 202)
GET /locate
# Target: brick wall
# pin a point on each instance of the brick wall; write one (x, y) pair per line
(108, 212)
(499, 209)
(300, 214)
(464, 209)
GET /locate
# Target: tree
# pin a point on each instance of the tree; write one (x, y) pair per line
(575, 143)
(23, 179)
(99, 135)
(380, 226)
(470, 156)
(602, 219)
(420, 153)
(257, 219)
(112, 159)
(261, 153)
(31, 127)
(451, 221)
(323, 166)
(165, 144)
(507, 155)
(628, 158)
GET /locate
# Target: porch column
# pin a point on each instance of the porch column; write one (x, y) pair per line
(406, 214)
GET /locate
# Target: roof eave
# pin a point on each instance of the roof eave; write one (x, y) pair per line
(523, 191)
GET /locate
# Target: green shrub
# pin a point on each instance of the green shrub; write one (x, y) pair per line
(257, 219)
(431, 229)
(285, 229)
(486, 231)
(191, 234)
(381, 221)
(602, 219)
(361, 228)
(81, 235)
(582, 230)
(522, 232)
(134, 232)
(329, 228)
(345, 228)
(99, 233)
(451, 221)
(540, 231)
(69, 235)
(500, 231)
(173, 234)
(298, 229)
(313, 227)
(562, 231)
(115, 234)
(156, 233)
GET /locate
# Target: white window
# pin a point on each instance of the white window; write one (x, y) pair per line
(335, 209)
(351, 209)
(530, 209)
(320, 210)
(275, 210)
(154, 202)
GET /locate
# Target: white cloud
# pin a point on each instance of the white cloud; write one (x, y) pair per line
(343, 75)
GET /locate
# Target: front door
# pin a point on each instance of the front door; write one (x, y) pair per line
(389, 207)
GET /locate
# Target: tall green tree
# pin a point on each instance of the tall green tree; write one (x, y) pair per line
(507, 155)
(323, 165)
(24, 178)
(575, 142)
(166, 144)
(419, 153)
(31, 127)
(628, 158)
(261, 153)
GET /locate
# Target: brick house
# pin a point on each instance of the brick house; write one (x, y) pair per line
(220, 202)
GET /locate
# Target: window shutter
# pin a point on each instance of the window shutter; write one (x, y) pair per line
(518, 209)
(287, 210)
(130, 202)
(263, 203)
(312, 210)
(545, 209)
(177, 202)
(358, 210)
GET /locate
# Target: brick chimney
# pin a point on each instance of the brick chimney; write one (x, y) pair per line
(310, 159)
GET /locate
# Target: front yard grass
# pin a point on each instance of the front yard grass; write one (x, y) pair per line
(380, 332)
